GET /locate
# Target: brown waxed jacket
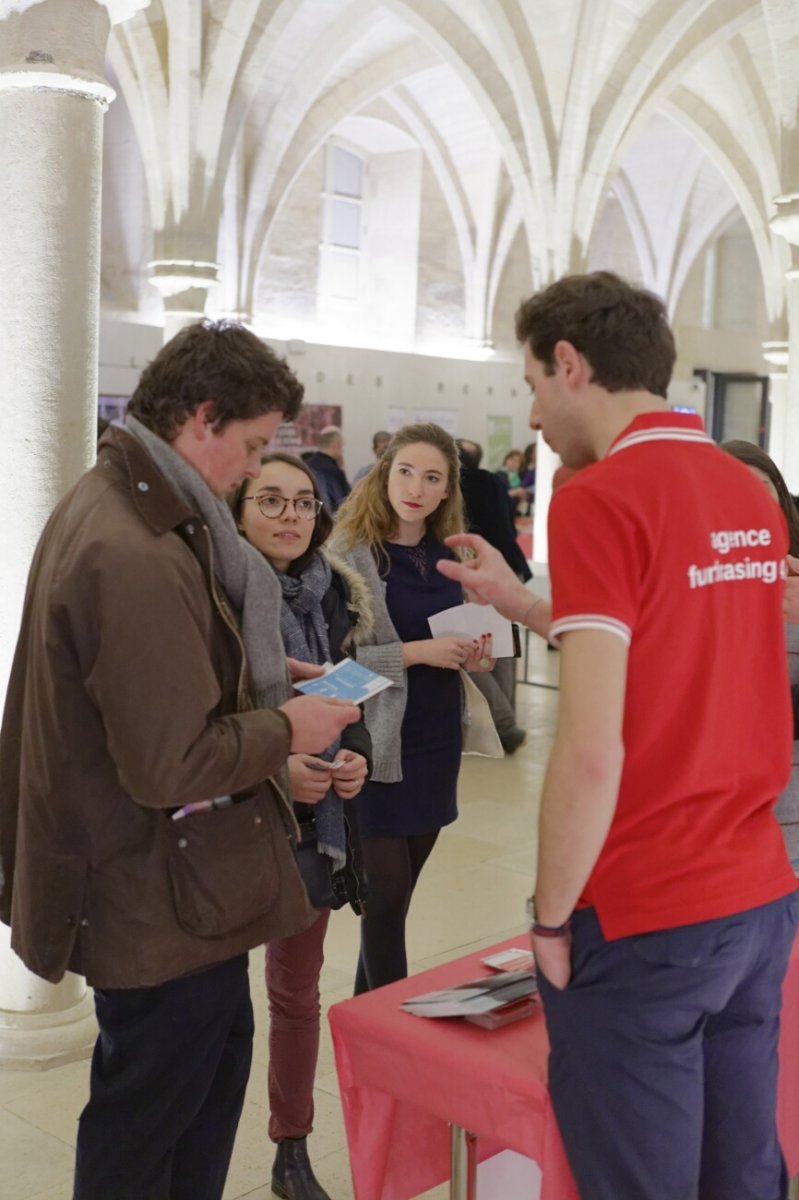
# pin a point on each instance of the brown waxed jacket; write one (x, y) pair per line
(128, 699)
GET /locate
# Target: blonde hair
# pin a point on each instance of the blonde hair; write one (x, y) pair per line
(366, 516)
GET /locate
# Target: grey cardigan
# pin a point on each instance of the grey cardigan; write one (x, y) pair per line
(380, 649)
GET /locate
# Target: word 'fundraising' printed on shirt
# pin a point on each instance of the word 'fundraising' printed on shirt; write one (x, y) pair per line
(724, 540)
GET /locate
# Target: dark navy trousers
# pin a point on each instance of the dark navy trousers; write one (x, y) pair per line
(168, 1077)
(663, 1067)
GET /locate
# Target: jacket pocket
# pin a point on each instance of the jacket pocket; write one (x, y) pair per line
(222, 869)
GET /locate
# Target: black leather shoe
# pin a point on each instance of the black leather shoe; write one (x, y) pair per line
(292, 1173)
(513, 740)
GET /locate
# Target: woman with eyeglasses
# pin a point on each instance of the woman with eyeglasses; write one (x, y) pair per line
(325, 607)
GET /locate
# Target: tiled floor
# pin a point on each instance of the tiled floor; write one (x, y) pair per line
(471, 894)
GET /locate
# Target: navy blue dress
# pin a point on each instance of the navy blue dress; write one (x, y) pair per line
(426, 798)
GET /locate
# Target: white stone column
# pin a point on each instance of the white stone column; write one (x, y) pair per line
(52, 99)
(790, 462)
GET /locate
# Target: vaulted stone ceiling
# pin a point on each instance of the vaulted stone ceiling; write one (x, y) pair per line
(533, 116)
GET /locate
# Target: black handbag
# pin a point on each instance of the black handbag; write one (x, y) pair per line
(326, 888)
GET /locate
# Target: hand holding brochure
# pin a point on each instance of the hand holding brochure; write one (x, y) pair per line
(472, 621)
(348, 680)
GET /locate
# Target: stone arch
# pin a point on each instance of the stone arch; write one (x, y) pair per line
(646, 72)
(726, 152)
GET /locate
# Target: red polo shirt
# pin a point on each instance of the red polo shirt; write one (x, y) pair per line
(673, 546)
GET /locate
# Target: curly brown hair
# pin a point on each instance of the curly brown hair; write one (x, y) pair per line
(219, 361)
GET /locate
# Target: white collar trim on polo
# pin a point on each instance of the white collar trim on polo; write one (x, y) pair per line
(662, 434)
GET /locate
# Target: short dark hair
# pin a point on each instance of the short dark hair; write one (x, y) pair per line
(622, 330)
(382, 435)
(219, 361)
(323, 525)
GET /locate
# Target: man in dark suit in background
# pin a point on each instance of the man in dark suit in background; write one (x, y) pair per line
(489, 513)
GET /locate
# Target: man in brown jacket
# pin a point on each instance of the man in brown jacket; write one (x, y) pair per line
(144, 839)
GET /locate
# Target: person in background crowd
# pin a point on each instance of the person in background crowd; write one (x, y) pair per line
(391, 531)
(767, 471)
(510, 474)
(528, 469)
(665, 905)
(325, 607)
(379, 443)
(143, 844)
(488, 512)
(327, 464)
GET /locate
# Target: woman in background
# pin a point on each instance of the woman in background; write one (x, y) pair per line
(325, 606)
(392, 530)
(529, 457)
(766, 470)
(511, 475)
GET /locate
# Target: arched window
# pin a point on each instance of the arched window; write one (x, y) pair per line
(342, 224)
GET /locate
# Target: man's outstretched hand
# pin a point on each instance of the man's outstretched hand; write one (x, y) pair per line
(487, 579)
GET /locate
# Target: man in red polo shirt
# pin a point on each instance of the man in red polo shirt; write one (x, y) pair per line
(665, 905)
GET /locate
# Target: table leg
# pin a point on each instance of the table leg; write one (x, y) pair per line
(463, 1164)
(525, 657)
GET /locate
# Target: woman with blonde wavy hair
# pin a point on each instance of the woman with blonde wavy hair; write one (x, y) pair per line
(391, 530)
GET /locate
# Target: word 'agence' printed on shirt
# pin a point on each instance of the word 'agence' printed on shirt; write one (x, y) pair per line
(725, 540)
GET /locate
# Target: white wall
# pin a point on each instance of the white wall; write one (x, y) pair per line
(366, 383)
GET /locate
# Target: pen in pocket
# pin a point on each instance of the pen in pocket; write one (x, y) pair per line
(202, 806)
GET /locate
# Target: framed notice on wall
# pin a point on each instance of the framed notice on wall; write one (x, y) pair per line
(112, 408)
(293, 437)
(397, 417)
(499, 440)
(447, 418)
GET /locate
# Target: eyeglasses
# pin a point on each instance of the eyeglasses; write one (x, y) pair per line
(305, 507)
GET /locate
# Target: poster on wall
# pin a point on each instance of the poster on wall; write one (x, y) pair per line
(293, 437)
(112, 408)
(447, 418)
(397, 417)
(499, 440)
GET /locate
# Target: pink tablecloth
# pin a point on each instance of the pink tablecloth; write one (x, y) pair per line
(403, 1079)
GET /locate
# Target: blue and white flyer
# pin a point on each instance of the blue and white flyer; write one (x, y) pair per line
(348, 680)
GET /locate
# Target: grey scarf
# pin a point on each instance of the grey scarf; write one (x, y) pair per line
(252, 587)
(304, 632)
(246, 578)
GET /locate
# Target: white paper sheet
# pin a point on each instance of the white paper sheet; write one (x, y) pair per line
(472, 621)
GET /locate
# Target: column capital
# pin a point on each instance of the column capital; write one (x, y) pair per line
(118, 10)
(40, 75)
(776, 355)
(59, 45)
(174, 275)
(785, 221)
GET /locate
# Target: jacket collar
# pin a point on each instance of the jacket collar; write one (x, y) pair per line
(156, 502)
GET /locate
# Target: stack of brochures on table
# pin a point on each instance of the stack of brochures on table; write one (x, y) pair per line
(491, 1001)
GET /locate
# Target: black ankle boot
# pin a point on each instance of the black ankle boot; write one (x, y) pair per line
(292, 1173)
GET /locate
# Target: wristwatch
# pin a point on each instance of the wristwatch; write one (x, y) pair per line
(545, 931)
